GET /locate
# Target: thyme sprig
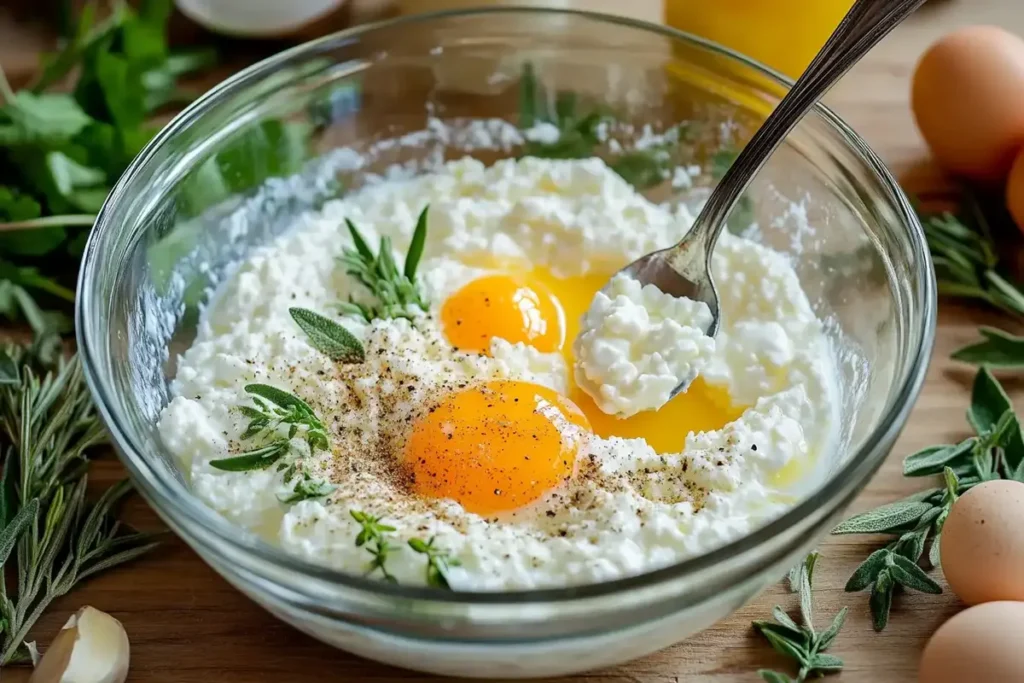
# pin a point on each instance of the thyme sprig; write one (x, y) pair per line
(51, 534)
(996, 451)
(275, 419)
(395, 291)
(438, 561)
(801, 642)
(373, 536)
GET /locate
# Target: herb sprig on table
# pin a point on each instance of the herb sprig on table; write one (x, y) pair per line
(51, 536)
(61, 151)
(996, 451)
(800, 641)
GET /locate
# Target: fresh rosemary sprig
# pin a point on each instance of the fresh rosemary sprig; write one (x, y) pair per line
(995, 452)
(274, 411)
(373, 535)
(438, 561)
(49, 532)
(328, 337)
(395, 290)
(966, 258)
(800, 641)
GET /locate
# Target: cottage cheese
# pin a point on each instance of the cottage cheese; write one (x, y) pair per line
(628, 509)
(638, 344)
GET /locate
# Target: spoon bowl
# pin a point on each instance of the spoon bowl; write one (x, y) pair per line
(684, 270)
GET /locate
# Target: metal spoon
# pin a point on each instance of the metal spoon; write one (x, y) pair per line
(684, 270)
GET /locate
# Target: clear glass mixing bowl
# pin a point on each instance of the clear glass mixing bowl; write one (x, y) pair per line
(316, 121)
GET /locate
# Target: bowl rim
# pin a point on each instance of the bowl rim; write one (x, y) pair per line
(179, 509)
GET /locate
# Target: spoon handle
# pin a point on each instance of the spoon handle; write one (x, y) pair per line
(867, 22)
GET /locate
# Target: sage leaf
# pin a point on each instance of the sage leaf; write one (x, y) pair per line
(883, 519)
(911, 545)
(785, 647)
(909, 575)
(328, 337)
(935, 552)
(773, 676)
(827, 638)
(998, 350)
(988, 402)
(826, 663)
(931, 460)
(784, 619)
(881, 600)
(256, 459)
(806, 608)
(868, 571)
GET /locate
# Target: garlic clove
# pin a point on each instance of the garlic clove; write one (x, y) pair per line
(91, 648)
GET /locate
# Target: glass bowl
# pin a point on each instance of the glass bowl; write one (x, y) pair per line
(318, 120)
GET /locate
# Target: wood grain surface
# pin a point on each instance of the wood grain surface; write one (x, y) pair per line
(188, 626)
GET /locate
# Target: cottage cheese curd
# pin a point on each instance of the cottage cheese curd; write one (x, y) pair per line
(481, 449)
(638, 344)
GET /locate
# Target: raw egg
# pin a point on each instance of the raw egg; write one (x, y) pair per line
(511, 307)
(968, 100)
(1015, 191)
(982, 543)
(521, 303)
(980, 644)
(495, 447)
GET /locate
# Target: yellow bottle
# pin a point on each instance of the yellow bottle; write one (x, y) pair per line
(784, 34)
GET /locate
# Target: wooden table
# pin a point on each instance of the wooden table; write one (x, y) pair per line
(188, 626)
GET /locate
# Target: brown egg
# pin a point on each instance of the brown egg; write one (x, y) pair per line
(979, 645)
(982, 546)
(1015, 191)
(968, 100)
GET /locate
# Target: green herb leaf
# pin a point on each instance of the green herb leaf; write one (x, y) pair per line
(988, 402)
(396, 292)
(281, 399)
(799, 642)
(868, 571)
(909, 575)
(933, 459)
(256, 459)
(998, 350)
(826, 638)
(308, 489)
(774, 676)
(329, 337)
(883, 519)
(881, 600)
(415, 252)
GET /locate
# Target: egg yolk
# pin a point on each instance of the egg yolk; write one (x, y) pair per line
(505, 306)
(495, 447)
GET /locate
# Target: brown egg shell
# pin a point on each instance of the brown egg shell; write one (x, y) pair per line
(979, 645)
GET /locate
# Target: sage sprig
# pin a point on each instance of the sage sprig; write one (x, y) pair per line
(395, 290)
(438, 561)
(801, 642)
(996, 451)
(328, 337)
(998, 349)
